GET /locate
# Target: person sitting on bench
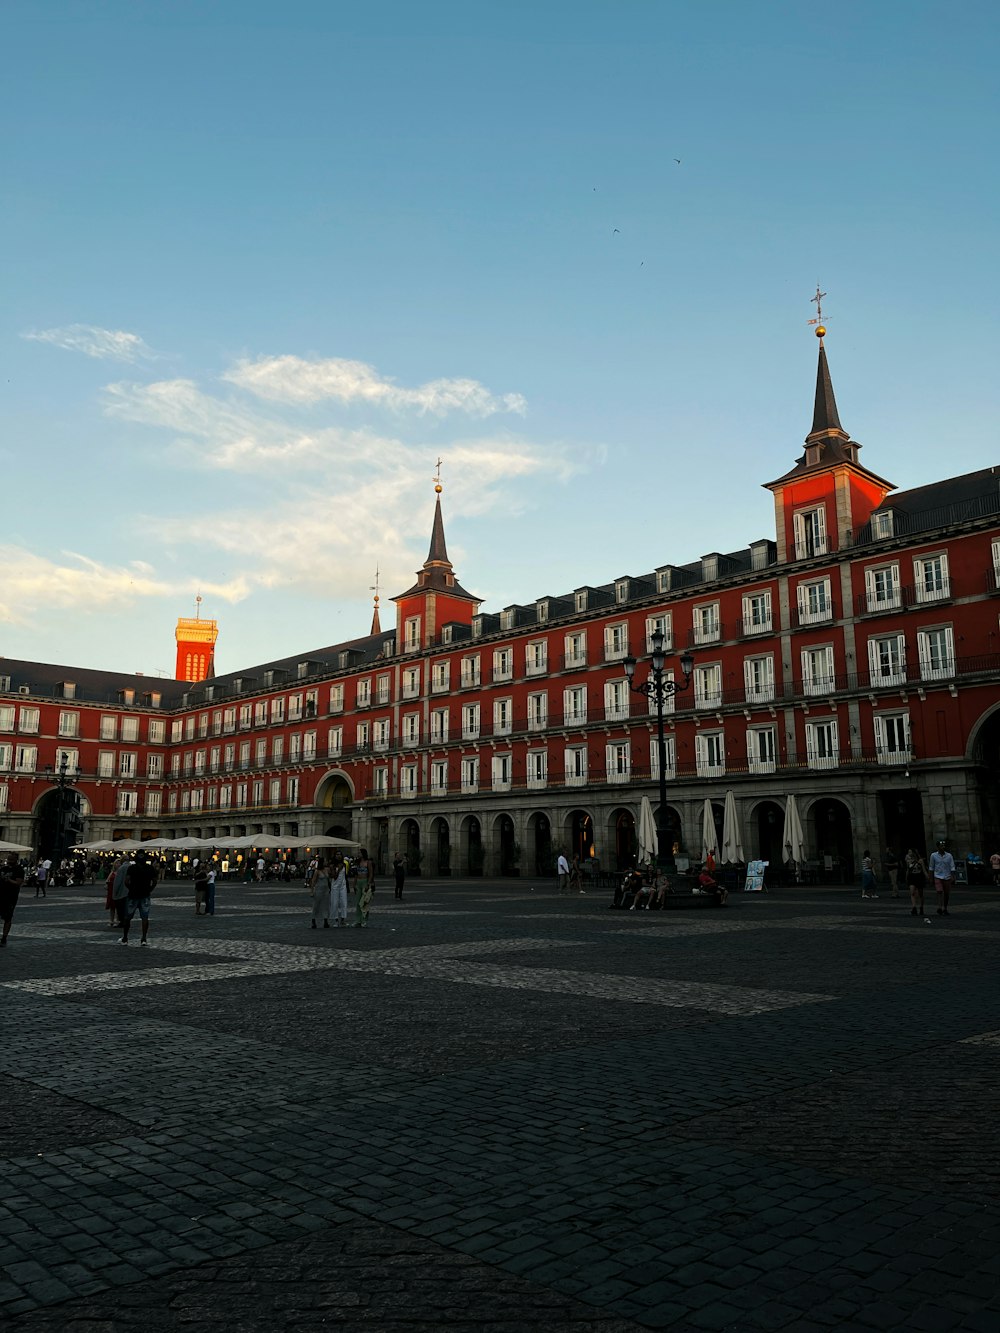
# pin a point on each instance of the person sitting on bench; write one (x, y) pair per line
(706, 884)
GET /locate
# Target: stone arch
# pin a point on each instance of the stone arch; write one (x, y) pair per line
(828, 823)
(439, 849)
(578, 835)
(470, 846)
(335, 795)
(506, 850)
(622, 839)
(409, 840)
(539, 857)
(766, 821)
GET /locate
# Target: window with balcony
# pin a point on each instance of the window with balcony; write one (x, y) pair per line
(26, 758)
(615, 642)
(882, 524)
(157, 731)
(214, 755)
(411, 634)
(109, 726)
(707, 625)
(411, 728)
(708, 685)
(670, 755)
(337, 698)
(6, 757)
(575, 704)
(382, 689)
(260, 713)
(892, 738)
(887, 659)
(470, 722)
(154, 802)
(930, 577)
(541, 612)
(128, 802)
(758, 679)
(229, 721)
(996, 563)
(380, 734)
(72, 758)
(363, 736)
(225, 797)
(822, 746)
(411, 683)
(576, 649)
(106, 763)
(274, 794)
(380, 781)
(503, 663)
(335, 742)
(536, 657)
(244, 754)
(278, 749)
(757, 613)
(217, 723)
(69, 724)
(127, 764)
(576, 765)
(278, 711)
(936, 650)
(662, 624)
(439, 725)
(501, 772)
(617, 700)
(470, 774)
(537, 766)
(363, 692)
(618, 761)
(189, 724)
(817, 670)
(538, 711)
(503, 717)
(809, 527)
(710, 754)
(440, 677)
(814, 601)
(439, 777)
(882, 590)
(470, 671)
(259, 753)
(761, 750)
(229, 756)
(669, 702)
(6, 717)
(154, 766)
(4, 798)
(293, 790)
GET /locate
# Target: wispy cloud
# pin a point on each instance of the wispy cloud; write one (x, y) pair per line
(33, 583)
(292, 379)
(102, 344)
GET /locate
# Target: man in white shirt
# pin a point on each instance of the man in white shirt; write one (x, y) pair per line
(942, 868)
(562, 870)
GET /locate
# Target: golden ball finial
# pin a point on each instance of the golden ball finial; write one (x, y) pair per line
(820, 331)
(438, 487)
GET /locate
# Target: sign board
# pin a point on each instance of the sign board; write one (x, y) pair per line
(755, 876)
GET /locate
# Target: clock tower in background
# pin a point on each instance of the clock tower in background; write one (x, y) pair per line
(195, 647)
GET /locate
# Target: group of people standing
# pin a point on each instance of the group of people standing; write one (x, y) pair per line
(917, 873)
(130, 886)
(329, 882)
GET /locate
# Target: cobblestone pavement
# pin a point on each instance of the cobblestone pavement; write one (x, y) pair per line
(501, 1109)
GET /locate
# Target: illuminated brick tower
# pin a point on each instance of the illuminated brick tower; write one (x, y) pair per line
(195, 647)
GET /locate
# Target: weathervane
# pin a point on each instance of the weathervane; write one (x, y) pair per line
(817, 300)
(437, 477)
(373, 587)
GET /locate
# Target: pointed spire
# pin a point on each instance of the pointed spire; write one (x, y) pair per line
(438, 553)
(376, 626)
(825, 415)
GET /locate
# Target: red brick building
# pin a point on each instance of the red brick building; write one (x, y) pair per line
(851, 659)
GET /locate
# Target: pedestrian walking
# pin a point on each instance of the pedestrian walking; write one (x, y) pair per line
(41, 876)
(338, 892)
(320, 888)
(399, 873)
(364, 887)
(200, 889)
(995, 867)
(140, 881)
(11, 879)
(942, 868)
(210, 892)
(119, 889)
(109, 896)
(576, 877)
(562, 870)
(891, 863)
(916, 881)
(868, 876)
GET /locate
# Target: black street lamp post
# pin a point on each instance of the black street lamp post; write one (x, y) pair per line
(62, 778)
(660, 690)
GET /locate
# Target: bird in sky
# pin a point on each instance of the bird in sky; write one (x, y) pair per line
(677, 160)
(616, 232)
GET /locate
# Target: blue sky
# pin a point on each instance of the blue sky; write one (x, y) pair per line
(263, 264)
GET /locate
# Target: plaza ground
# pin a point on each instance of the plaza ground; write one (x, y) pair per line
(499, 1109)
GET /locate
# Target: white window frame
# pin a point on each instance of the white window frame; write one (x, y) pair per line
(616, 641)
(933, 664)
(710, 754)
(931, 579)
(503, 664)
(664, 622)
(411, 682)
(670, 754)
(818, 678)
(707, 624)
(893, 744)
(537, 768)
(439, 725)
(809, 532)
(471, 722)
(109, 727)
(617, 700)
(335, 742)
(761, 749)
(470, 773)
(538, 711)
(758, 678)
(440, 677)
(503, 716)
(575, 646)
(380, 733)
(816, 591)
(708, 685)
(69, 725)
(536, 657)
(618, 761)
(883, 591)
(471, 671)
(127, 803)
(822, 743)
(337, 698)
(411, 634)
(411, 728)
(501, 768)
(439, 777)
(887, 659)
(575, 765)
(575, 704)
(757, 615)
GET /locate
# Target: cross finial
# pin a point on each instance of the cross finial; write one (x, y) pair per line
(374, 586)
(197, 607)
(437, 477)
(817, 300)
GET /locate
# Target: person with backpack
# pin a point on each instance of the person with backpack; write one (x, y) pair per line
(140, 881)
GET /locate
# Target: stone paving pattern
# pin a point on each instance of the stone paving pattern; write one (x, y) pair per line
(499, 1109)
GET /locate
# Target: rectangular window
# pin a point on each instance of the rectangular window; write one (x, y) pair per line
(936, 650)
(26, 758)
(882, 588)
(761, 750)
(275, 791)
(241, 794)
(710, 754)
(294, 747)
(821, 744)
(217, 723)
(154, 766)
(576, 650)
(6, 757)
(470, 774)
(293, 791)
(4, 794)
(501, 772)
(882, 524)
(28, 721)
(197, 799)
(188, 730)
(380, 781)
(225, 797)
(72, 758)
(244, 754)
(229, 721)
(996, 563)
(176, 731)
(411, 683)
(309, 746)
(503, 663)
(109, 727)
(334, 742)
(707, 626)
(411, 728)
(576, 765)
(172, 802)
(278, 710)
(930, 577)
(503, 717)
(758, 679)
(278, 750)
(615, 642)
(618, 761)
(887, 659)
(892, 738)
(380, 733)
(708, 686)
(157, 731)
(154, 801)
(130, 729)
(670, 753)
(294, 709)
(189, 761)
(362, 736)
(69, 724)
(810, 533)
(337, 698)
(175, 766)
(665, 624)
(6, 717)
(106, 763)
(128, 802)
(470, 671)
(669, 702)
(229, 756)
(411, 633)
(259, 754)
(214, 756)
(127, 764)
(536, 657)
(440, 677)
(817, 670)
(575, 704)
(363, 693)
(470, 722)
(814, 601)
(538, 711)
(382, 689)
(757, 613)
(538, 768)
(439, 777)
(616, 700)
(260, 713)
(439, 725)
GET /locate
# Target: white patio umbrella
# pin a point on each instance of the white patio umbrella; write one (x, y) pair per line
(648, 841)
(13, 847)
(321, 840)
(101, 845)
(709, 837)
(792, 838)
(732, 848)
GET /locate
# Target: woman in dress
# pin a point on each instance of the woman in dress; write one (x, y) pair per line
(320, 889)
(11, 879)
(364, 887)
(916, 881)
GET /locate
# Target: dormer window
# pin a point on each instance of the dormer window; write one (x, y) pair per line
(580, 600)
(506, 620)
(813, 452)
(709, 567)
(477, 627)
(447, 633)
(663, 580)
(621, 591)
(541, 612)
(67, 689)
(302, 670)
(411, 633)
(882, 524)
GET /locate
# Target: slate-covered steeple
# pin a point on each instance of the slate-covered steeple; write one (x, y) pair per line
(437, 598)
(825, 417)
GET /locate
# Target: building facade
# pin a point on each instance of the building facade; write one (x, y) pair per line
(851, 659)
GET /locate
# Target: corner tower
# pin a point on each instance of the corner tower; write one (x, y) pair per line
(828, 493)
(195, 647)
(436, 599)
